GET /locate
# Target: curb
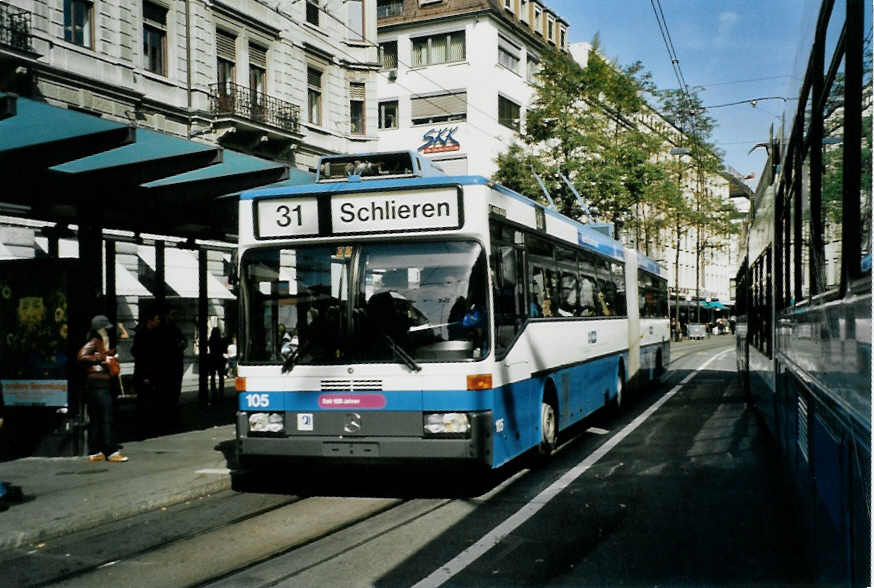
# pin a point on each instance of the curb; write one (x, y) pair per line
(55, 529)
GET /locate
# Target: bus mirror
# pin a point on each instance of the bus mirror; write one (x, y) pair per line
(508, 266)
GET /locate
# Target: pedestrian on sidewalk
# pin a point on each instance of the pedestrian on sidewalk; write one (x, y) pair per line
(147, 370)
(217, 348)
(172, 342)
(101, 366)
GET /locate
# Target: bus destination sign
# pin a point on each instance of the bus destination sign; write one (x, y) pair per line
(395, 211)
(287, 217)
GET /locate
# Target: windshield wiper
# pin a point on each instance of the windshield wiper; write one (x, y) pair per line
(291, 360)
(401, 353)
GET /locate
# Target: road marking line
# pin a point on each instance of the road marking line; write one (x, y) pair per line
(219, 471)
(445, 572)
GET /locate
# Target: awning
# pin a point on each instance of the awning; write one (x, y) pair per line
(38, 135)
(126, 283)
(180, 273)
(153, 156)
(58, 163)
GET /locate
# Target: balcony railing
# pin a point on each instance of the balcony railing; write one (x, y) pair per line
(389, 8)
(231, 99)
(15, 28)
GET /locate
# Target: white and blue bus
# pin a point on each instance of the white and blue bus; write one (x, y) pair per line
(391, 312)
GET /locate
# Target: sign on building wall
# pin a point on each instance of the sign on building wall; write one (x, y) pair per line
(439, 140)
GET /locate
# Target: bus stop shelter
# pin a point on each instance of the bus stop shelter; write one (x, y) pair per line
(70, 168)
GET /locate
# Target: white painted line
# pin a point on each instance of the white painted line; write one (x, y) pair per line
(496, 535)
(218, 471)
(597, 431)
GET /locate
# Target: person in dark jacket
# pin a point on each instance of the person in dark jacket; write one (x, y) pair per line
(95, 357)
(148, 370)
(172, 344)
(217, 347)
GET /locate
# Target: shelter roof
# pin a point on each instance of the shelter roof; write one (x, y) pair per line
(70, 167)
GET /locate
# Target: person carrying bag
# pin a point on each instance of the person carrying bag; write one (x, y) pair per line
(100, 363)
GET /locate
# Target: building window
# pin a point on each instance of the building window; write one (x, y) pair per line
(523, 10)
(314, 96)
(257, 79)
(356, 108)
(155, 38)
(508, 4)
(313, 12)
(508, 113)
(388, 114)
(447, 107)
(438, 49)
(356, 19)
(225, 49)
(389, 8)
(508, 55)
(388, 55)
(550, 29)
(562, 38)
(77, 22)
(538, 23)
(533, 69)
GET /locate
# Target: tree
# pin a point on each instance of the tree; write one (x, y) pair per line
(582, 124)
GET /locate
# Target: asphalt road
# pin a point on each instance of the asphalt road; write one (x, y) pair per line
(681, 489)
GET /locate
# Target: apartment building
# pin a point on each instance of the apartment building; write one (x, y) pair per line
(455, 76)
(287, 81)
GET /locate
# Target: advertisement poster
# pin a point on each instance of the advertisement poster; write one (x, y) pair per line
(34, 349)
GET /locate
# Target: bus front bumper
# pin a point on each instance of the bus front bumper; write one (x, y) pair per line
(475, 448)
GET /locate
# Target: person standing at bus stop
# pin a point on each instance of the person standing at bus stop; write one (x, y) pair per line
(147, 370)
(97, 360)
(217, 348)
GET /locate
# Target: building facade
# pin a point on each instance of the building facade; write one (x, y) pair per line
(285, 81)
(455, 76)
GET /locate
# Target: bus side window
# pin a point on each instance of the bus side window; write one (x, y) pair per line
(509, 286)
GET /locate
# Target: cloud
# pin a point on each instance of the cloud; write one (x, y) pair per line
(727, 23)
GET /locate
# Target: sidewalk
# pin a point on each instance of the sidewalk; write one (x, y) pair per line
(63, 495)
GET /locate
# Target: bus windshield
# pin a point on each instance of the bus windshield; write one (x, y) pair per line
(358, 303)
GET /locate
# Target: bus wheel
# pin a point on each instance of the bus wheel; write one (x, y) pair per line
(616, 405)
(548, 430)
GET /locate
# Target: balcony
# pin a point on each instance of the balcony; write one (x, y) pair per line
(233, 100)
(15, 28)
(389, 8)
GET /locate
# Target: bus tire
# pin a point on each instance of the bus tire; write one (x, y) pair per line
(548, 431)
(617, 403)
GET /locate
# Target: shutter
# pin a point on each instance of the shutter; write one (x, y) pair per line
(258, 56)
(226, 46)
(431, 106)
(314, 78)
(356, 91)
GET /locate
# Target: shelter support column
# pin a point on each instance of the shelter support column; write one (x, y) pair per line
(202, 320)
(160, 284)
(111, 298)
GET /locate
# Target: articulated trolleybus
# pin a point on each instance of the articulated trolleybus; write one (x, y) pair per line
(391, 312)
(804, 294)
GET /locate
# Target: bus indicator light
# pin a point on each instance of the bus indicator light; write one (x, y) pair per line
(240, 384)
(479, 381)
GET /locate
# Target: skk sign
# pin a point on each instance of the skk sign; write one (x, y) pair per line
(439, 141)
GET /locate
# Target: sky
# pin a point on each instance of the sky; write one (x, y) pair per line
(731, 50)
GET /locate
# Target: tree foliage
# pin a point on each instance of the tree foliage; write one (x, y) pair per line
(583, 124)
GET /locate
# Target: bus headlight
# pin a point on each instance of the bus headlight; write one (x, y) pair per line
(447, 423)
(266, 422)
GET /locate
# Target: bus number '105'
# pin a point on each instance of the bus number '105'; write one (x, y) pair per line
(257, 400)
(285, 215)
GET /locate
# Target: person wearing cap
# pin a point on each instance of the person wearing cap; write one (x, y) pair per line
(95, 357)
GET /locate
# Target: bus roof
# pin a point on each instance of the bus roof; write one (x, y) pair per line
(589, 236)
